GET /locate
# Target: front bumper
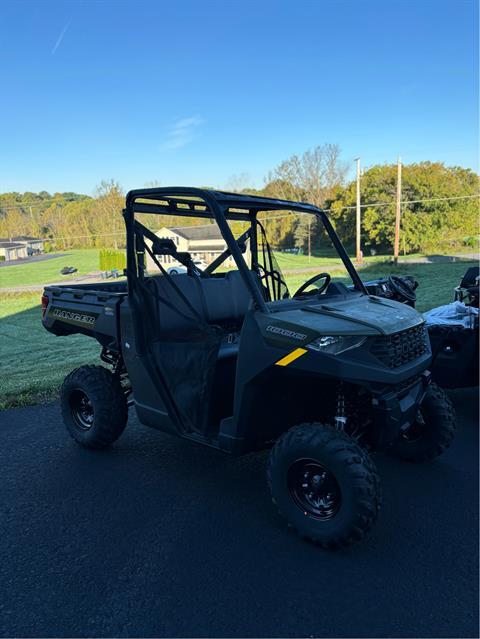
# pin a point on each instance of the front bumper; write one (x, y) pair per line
(394, 411)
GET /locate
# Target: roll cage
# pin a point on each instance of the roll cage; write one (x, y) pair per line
(220, 206)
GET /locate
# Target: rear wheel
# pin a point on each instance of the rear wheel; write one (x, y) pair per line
(432, 432)
(324, 484)
(94, 406)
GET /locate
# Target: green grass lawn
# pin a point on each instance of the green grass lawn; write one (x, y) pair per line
(436, 281)
(46, 271)
(34, 362)
(290, 262)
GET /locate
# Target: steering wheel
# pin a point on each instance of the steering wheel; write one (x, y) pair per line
(318, 290)
(401, 288)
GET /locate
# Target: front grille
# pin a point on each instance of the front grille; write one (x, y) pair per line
(400, 348)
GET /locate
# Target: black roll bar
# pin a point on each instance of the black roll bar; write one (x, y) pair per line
(222, 206)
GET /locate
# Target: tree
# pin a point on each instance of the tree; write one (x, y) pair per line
(238, 183)
(109, 204)
(313, 177)
(429, 221)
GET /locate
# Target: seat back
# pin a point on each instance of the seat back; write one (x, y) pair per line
(220, 299)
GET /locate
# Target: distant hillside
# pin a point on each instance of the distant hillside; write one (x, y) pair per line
(439, 208)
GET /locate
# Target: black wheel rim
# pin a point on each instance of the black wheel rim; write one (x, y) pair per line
(82, 409)
(416, 430)
(314, 489)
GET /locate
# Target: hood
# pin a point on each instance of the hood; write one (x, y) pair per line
(352, 315)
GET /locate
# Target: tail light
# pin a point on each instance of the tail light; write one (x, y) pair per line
(44, 305)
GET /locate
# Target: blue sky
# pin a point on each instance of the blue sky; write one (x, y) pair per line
(197, 92)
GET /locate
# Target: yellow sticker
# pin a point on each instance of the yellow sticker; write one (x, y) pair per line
(291, 357)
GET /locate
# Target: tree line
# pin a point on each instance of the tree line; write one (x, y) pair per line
(436, 215)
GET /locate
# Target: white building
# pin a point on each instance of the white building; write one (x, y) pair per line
(20, 247)
(34, 244)
(202, 242)
(10, 251)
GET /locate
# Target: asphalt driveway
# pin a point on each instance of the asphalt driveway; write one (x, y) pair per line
(160, 537)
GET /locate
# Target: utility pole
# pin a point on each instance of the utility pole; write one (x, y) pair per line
(114, 216)
(398, 211)
(309, 240)
(358, 251)
(58, 210)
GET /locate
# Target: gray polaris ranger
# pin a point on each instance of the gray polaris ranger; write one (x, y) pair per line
(232, 359)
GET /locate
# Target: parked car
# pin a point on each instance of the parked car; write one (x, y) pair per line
(178, 269)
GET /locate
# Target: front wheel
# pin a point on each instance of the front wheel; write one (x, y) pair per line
(324, 484)
(431, 433)
(94, 406)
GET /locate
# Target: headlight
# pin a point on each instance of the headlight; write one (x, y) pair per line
(335, 344)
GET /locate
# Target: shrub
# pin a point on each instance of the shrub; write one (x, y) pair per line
(110, 259)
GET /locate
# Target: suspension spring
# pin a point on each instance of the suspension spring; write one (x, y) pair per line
(340, 417)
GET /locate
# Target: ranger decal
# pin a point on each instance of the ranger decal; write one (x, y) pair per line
(285, 332)
(73, 317)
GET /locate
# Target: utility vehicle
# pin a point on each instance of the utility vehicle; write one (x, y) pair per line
(454, 344)
(234, 361)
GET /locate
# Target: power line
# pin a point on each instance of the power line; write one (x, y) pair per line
(374, 204)
(117, 233)
(264, 219)
(80, 237)
(427, 199)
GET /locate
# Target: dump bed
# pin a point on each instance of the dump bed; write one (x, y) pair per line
(90, 309)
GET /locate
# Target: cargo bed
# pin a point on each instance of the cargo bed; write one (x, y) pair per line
(89, 309)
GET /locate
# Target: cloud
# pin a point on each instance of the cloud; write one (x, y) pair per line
(60, 37)
(182, 133)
